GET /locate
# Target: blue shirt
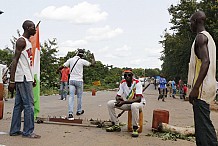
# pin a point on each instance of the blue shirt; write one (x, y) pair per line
(173, 84)
(162, 83)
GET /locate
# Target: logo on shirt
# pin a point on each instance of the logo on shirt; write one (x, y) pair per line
(30, 56)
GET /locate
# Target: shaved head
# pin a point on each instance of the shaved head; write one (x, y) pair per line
(197, 21)
(199, 16)
(27, 23)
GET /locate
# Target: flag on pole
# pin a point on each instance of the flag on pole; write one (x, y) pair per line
(36, 70)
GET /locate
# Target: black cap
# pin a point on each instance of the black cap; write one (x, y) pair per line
(80, 52)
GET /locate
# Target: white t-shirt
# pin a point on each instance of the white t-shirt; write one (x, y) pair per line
(77, 72)
(131, 92)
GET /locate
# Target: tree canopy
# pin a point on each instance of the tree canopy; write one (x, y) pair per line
(178, 40)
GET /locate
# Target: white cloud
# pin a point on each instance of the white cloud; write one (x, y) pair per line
(126, 56)
(82, 13)
(77, 43)
(103, 33)
(69, 46)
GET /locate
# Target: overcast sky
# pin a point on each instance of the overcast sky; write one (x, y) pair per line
(123, 33)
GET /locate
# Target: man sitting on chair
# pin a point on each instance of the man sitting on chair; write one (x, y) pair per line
(131, 88)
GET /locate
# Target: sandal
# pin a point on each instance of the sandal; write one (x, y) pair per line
(16, 133)
(33, 135)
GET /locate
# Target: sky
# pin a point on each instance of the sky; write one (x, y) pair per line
(122, 33)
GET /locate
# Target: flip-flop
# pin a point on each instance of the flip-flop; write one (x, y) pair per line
(33, 135)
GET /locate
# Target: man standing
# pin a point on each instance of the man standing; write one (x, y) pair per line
(22, 78)
(133, 100)
(76, 81)
(173, 84)
(201, 80)
(64, 82)
(163, 91)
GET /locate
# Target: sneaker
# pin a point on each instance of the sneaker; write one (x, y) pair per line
(70, 117)
(82, 112)
(114, 128)
(135, 133)
(64, 99)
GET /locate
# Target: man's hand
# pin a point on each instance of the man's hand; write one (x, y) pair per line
(34, 83)
(193, 95)
(11, 87)
(120, 103)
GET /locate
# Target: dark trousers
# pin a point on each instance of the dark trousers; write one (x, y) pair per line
(204, 130)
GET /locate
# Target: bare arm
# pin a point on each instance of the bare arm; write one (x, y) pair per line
(20, 45)
(93, 60)
(122, 102)
(201, 50)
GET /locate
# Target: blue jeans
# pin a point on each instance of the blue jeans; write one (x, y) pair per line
(23, 101)
(63, 89)
(75, 86)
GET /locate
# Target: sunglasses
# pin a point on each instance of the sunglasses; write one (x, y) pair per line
(127, 75)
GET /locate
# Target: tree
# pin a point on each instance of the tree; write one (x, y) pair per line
(6, 56)
(49, 65)
(176, 53)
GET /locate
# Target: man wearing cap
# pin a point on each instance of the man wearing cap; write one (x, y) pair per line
(76, 80)
(133, 100)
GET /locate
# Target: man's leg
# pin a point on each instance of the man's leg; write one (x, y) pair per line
(26, 90)
(204, 130)
(111, 109)
(71, 97)
(112, 113)
(16, 118)
(65, 90)
(62, 90)
(79, 89)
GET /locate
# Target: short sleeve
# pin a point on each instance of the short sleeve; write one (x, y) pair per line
(120, 91)
(138, 88)
(67, 63)
(85, 62)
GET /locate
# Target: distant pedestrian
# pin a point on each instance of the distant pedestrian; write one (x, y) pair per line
(185, 89)
(180, 85)
(64, 82)
(163, 91)
(6, 78)
(173, 84)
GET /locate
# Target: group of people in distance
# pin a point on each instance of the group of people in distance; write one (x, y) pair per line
(201, 85)
(171, 88)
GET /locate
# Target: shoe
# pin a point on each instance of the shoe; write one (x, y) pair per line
(114, 128)
(82, 112)
(64, 99)
(16, 134)
(33, 135)
(135, 133)
(70, 117)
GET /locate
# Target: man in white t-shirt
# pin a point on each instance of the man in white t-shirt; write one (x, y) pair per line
(76, 65)
(133, 100)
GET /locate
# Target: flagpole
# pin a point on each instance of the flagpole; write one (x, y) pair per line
(38, 24)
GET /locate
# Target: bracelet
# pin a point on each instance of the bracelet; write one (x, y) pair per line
(12, 82)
